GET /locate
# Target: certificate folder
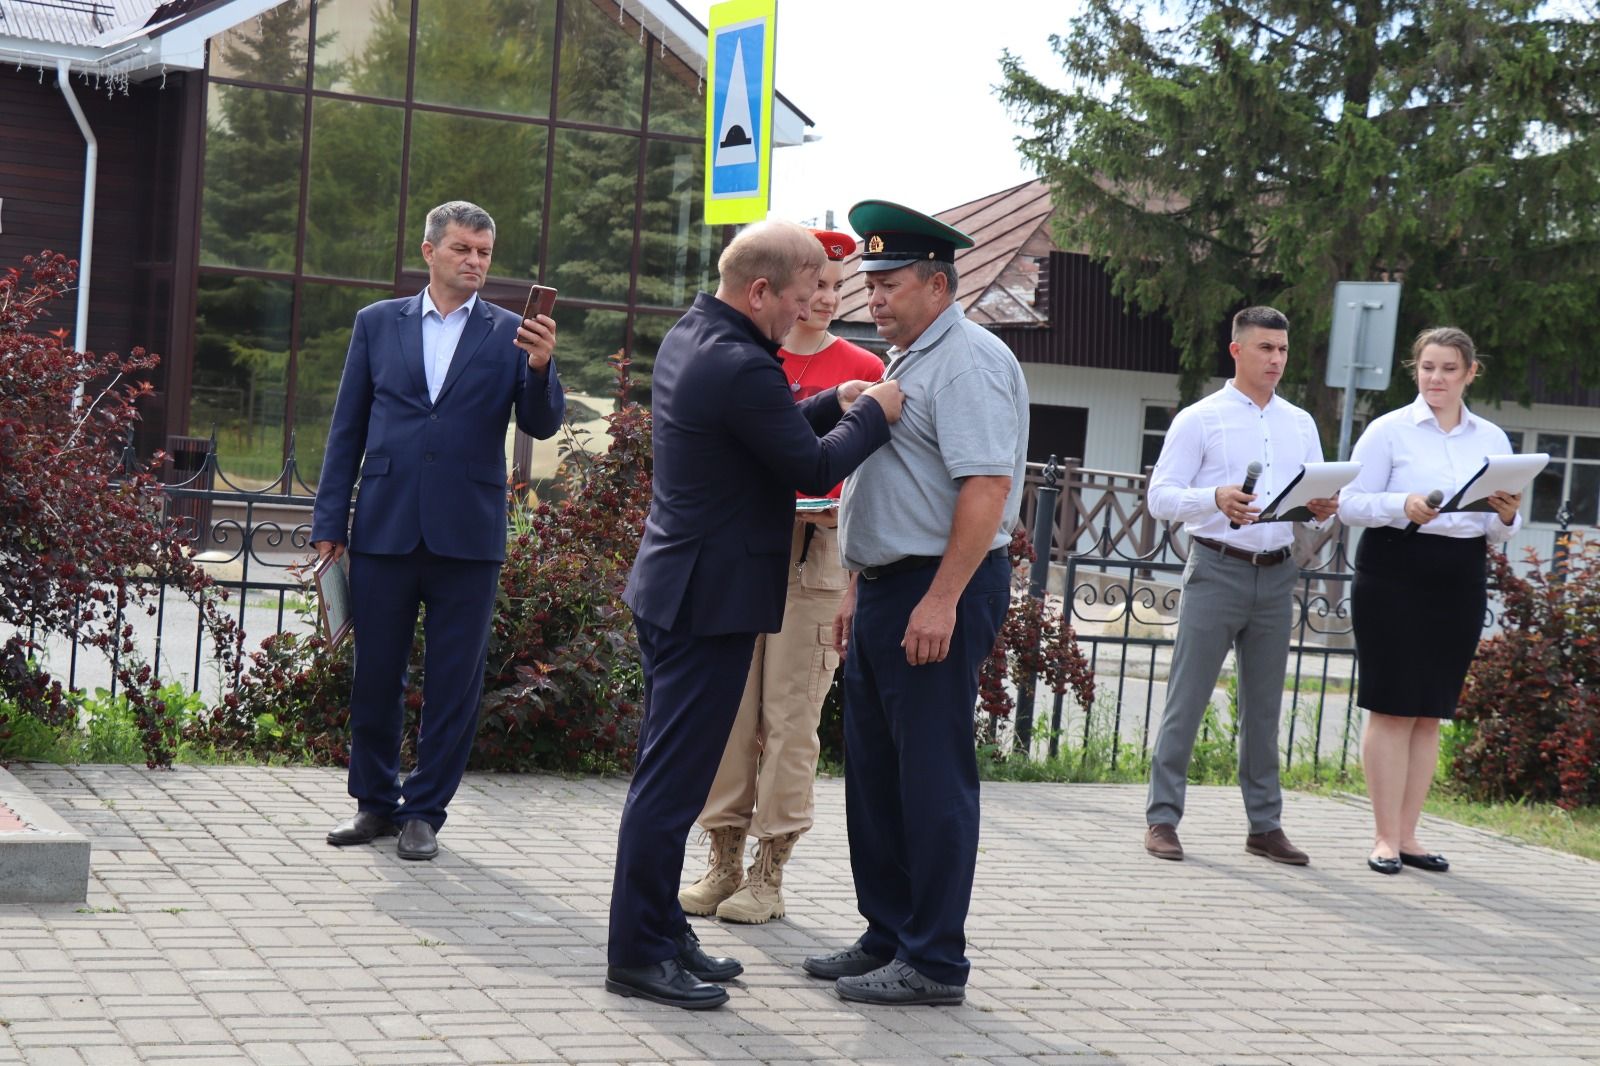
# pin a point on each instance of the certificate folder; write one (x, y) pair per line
(333, 599)
(1315, 481)
(1499, 473)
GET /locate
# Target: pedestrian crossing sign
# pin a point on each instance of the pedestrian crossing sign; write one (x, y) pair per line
(739, 110)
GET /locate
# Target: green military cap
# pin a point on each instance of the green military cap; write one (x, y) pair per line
(895, 236)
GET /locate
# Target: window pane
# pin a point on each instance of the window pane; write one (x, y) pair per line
(1158, 419)
(1515, 437)
(355, 189)
(1553, 443)
(241, 359)
(1585, 495)
(1547, 492)
(270, 47)
(490, 55)
(327, 313)
(497, 165)
(676, 252)
(602, 66)
(362, 46)
(591, 220)
(251, 207)
(647, 333)
(1586, 447)
(677, 97)
(1149, 451)
(587, 340)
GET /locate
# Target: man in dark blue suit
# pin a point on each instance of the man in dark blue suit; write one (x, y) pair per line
(429, 385)
(731, 447)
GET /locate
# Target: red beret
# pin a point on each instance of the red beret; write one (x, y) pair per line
(835, 245)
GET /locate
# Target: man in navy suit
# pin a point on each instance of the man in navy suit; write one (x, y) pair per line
(429, 385)
(730, 448)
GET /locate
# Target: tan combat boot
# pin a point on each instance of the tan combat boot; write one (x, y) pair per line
(722, 879)
(761, 898)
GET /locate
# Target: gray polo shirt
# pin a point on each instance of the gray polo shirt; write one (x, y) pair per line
(965, 414)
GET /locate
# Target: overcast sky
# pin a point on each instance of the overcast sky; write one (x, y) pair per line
(902, 94)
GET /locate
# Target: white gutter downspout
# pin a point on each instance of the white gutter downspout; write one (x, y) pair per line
(91, 165)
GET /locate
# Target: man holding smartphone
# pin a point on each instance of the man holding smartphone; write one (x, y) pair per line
(429, 385)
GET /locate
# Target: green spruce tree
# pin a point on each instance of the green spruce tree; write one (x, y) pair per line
(1224, 152)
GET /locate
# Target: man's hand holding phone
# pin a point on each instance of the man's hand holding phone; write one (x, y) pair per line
(537, 334)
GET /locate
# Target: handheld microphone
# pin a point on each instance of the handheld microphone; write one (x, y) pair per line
(1251, 472)
(1435, 498)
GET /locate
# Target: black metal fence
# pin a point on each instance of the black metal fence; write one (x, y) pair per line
(1118, 581)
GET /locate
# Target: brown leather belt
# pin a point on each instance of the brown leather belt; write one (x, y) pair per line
(917, 562)
(1272, 558)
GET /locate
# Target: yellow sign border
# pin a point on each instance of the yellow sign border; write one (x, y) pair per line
(752, 208)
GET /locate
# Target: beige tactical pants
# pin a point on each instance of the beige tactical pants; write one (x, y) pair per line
(764, 782)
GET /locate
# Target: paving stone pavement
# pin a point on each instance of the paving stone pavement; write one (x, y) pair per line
(220, 929)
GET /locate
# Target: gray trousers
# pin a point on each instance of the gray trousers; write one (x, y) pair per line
(1226, 603)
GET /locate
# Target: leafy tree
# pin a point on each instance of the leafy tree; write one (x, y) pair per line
(1252, 151)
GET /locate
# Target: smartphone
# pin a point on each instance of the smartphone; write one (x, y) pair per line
(541, 301)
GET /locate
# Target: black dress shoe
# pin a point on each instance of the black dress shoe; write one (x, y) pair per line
(364, 828)
(853, 961)
(1382, 865)
(665, 982)
(1437, 863)
(417, 841)
(706, 967)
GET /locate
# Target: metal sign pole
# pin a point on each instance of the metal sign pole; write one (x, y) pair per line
(1347, 418)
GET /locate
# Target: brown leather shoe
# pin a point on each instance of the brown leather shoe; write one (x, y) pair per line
(1161, 840)
(1275, 846)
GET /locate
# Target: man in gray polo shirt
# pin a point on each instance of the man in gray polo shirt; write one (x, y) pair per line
(924, 525)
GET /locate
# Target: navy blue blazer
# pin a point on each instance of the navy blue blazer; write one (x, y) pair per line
(431, 472)
(731, 447)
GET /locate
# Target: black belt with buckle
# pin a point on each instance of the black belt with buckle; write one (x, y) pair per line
(1272, 558)
(917, 562)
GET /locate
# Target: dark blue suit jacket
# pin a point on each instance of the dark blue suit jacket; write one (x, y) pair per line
(730, 448)
(431, 472)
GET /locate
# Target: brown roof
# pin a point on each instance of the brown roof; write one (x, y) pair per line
(999, 276)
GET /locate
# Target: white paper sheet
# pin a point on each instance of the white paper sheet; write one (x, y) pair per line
(1316, 481)
(1499, 473)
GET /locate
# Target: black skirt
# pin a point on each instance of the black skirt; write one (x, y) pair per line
(1417, 608)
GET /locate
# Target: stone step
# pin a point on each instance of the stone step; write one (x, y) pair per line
(42, 858)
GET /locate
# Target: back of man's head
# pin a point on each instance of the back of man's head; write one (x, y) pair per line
(775, 250)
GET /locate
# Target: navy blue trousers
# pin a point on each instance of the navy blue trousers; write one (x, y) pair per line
(385, 593)
(911, 772)
(692, 687)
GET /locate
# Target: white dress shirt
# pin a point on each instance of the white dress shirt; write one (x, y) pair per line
(1404, 452)
(1211, 443)
(440, 335)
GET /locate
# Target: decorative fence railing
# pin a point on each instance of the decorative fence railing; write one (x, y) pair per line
(1116, 569)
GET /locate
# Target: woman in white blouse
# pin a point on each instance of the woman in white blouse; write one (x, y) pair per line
(1418, 599)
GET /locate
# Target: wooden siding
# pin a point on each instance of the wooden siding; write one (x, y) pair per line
(132, 297)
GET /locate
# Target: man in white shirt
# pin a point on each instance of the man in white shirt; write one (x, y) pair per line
(1238, 589)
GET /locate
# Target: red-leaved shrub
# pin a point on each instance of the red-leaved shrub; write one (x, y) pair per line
(83, 543)
(1529, 719)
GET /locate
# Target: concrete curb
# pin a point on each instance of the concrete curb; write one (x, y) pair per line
(42, 858)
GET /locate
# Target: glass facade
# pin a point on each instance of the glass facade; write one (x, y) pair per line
(333, 126)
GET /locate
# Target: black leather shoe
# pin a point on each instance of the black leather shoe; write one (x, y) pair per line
(853, 961)
(1437, 863)
(665, 982)
(1382, 865)
(364, 828)
(417, 841)
(706, 967)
